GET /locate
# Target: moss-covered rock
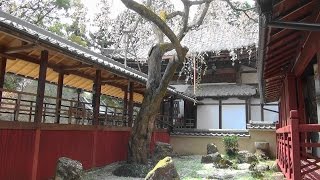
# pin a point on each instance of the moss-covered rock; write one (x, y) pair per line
(211, 158)
(164, 170)
(132, 170)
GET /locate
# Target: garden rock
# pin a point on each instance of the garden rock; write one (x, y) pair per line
(261, 155)
(132, 170)
(246, 157)
(68, 169)
(161, 151)
(211, 148)
(211, 158)
(261, 167)
(262, 145)
(224, 163)
(164, 170)
(277, 176)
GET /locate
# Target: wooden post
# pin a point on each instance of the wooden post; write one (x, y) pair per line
(248, 110)
(295, 152)
(39, 109)
(262, 112)
(125, 106)
(59, 96)
(3, 65)
(171, 101)
(41, 86)
(96, 97)
(220, 114)
(130, 103)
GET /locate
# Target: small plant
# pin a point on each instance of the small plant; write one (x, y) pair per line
(231, 145)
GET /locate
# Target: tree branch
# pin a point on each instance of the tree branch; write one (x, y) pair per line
(174, 14)
(199, 2)
(151, 16)
(187, 4)
(201, 18)
(241, 10)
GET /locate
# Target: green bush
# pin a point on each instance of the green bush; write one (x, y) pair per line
(231, 145)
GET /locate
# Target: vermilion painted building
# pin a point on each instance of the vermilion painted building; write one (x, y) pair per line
(289, 62)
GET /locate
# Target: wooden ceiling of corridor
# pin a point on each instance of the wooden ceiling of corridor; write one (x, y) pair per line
(285, 49)
(23, 49)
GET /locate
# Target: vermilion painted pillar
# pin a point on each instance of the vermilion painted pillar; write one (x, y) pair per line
(130, 104)
(96, 97)
(38, 110)
(290, 93)
(59, 96)
(3, 64)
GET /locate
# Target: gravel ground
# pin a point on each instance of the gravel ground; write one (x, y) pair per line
(188, 167)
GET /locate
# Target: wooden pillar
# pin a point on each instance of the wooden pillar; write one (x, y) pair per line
(171, 101)
(41, 86)
(291, 93)
(3, 64)
(295, 138)
(262, 112)
(96, 97)
(249, 110)
(38, 110)
(220, 114)
(125, 106)
(130, 104)
(59, 96)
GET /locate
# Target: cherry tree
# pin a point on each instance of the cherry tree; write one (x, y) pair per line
(157, 83)
(170, 28)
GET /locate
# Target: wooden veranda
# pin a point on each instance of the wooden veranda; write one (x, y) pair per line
(36, 129)
(289, 62)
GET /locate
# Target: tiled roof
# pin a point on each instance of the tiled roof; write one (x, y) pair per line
(261, 125)
(205, 132)
(219, 90)
(46, 37)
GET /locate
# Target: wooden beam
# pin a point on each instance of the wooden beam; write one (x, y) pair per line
(41, 86)
(54, 67)
(3, 63)
(76, 67)
(106, 81)
(59, 96)
(20, 49)
(130, 103)
(96, 97)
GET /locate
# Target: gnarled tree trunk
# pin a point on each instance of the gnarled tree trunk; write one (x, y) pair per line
(139, 145)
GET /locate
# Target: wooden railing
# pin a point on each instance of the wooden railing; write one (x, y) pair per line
(21, 106)
(165, 121)
(294, 147)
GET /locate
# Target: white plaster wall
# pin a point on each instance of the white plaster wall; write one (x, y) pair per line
(208, 117)
(255, 113)
(233, 117)
(271, 116)
(249, 78)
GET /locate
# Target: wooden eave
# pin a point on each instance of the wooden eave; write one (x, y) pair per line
(287, 50)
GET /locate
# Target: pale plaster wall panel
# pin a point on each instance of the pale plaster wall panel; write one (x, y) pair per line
(207, 117)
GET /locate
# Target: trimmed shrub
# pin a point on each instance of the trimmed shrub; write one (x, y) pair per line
(231, 145)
